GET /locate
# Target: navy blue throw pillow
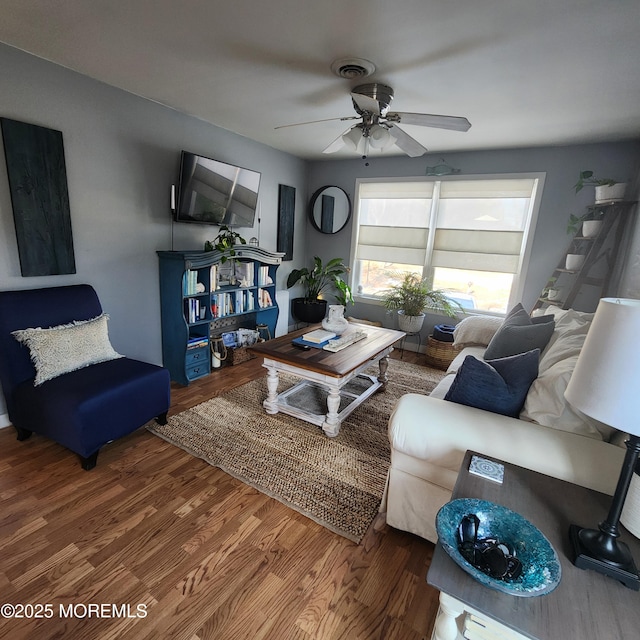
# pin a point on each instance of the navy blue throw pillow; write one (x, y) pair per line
(500, 386)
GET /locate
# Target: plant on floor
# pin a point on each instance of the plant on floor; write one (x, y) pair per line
(412, 295)
(320, 279)
(225, 242)
(323, 278)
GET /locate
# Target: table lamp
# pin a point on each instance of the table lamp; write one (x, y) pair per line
(605, 385)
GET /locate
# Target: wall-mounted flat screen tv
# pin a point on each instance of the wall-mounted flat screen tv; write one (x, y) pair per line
(214, 192)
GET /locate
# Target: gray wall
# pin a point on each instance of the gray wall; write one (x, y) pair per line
(122, 154)
(562, 166)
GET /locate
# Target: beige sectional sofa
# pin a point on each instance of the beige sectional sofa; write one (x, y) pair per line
(429, 435)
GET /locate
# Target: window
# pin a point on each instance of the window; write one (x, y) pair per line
(470, 237)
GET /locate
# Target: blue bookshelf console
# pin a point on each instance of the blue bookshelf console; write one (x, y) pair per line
(198, 301)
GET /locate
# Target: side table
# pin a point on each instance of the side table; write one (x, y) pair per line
(586, 605)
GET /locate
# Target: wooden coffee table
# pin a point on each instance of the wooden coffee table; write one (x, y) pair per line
(332, 384)
(585, 604)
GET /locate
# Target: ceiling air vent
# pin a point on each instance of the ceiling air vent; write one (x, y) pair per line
(352, 68)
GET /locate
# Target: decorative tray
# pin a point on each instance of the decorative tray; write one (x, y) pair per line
(541, 568)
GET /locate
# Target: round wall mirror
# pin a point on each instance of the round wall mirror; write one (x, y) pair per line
(330, 209)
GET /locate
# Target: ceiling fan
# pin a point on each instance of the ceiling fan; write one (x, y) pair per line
(379, 128)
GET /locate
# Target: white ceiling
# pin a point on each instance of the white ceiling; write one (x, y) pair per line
(524, 72)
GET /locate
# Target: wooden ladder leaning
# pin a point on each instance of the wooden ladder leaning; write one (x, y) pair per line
(593, 250)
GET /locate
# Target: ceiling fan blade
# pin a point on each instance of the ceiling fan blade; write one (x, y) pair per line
(408, 144)
(298, 124)
(455, 123)
(365, 103)
(337, 144)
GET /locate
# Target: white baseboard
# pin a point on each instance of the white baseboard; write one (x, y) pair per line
(4, 420)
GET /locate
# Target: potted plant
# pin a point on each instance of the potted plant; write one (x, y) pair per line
(607, 189)
(591, 222)
(225, 242)
(321, 278)
(411, 296)
(551, 292)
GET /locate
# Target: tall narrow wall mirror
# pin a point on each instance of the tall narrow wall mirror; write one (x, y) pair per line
(330, 209)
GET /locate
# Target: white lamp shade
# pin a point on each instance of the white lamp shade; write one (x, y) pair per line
(605, 383)
(352, 138)
(379, 136)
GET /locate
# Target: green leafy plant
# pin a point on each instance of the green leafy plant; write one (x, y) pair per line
(225, 242)
(414, 294)
(592, 213)
(587, 178)
(550, 285)
(323, 278)
(574, 224)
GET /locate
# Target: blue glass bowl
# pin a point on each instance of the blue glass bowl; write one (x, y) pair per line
(541, 571)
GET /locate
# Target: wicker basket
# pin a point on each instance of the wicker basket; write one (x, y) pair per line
(440, 354)
(236, 355)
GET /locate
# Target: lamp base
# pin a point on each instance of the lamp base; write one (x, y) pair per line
(625, 571)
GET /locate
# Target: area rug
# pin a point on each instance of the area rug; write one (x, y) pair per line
(337, 482)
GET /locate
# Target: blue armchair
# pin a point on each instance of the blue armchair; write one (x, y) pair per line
(81, 409)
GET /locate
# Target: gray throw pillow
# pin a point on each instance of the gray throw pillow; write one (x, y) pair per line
(520, 333)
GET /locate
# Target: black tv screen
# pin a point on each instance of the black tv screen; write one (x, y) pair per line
(214, 192)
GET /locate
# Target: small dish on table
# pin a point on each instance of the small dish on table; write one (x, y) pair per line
(541, 568)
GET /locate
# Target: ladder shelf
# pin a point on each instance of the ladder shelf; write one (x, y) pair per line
(594, 249)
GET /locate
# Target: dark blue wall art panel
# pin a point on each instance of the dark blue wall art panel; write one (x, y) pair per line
(286, 216)
(38, 185)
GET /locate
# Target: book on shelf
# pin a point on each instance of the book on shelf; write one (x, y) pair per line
(192, 310)
(264, 299)
(190, 282)
(319, 335)
(232, 302)
(197, 342)
(263, 276)
(213, 277)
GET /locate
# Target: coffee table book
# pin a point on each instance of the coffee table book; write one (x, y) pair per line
(318, 335)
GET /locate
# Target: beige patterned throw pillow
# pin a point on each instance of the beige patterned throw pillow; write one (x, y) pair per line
(67, 347)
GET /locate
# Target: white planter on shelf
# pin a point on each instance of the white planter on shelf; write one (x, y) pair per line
(554, 294)
(410, 324)
(613, 193)
(574, 261)
(591, 228)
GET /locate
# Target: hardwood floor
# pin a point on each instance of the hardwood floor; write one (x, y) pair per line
(172, 547)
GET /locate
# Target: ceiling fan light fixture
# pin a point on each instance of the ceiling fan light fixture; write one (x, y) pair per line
(352, 138)
(379, 137)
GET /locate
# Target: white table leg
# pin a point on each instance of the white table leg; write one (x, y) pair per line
(331, 425)
(383, 365)
(271, 403)
(446, 626)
